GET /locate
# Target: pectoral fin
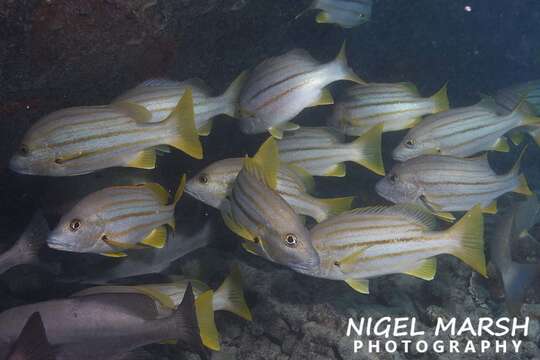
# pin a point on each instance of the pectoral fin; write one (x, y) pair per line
(235, 227)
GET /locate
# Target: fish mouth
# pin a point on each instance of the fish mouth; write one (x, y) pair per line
(192, 193)
(398, 155)
(56, 244)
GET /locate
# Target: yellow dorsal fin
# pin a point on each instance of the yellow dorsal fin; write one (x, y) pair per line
(117, 254)
(338, 170)
(360, 285)
(157, 238)
(425, 270)
(145, 159)
(136, 112)
(187, 137)
(265, 164)
(205, 318)
(161, 194)
(491, 208)
(326, 98)
(501, 145)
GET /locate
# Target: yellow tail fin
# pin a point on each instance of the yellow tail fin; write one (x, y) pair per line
(230, 296)
(368, 150)
(523, 187)
(341, 60)
(336, 206)
(187, 137)
(205, 317)
(469, 231)
(180, 190)
(232, 94)
(440, 99)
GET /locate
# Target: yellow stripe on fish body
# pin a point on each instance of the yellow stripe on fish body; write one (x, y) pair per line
(81, 140)
(370, 242)
(327, 158)
(279, 88)
(396, 106)
(443, 183)
(461, 132)
(345, 13)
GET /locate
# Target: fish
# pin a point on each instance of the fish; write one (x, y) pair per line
(160, 96)
(151, 261)
(512, 225)
(213, 183)
(445, 184)
(106, 324)
(509, 98)
(117, 218)
(279, 88)
(318, 153)
(396, 106)
(345, 13)
(81, 140)
(27, 247)
(257, 213)
(369, 242)
(32, 343)
(228, 297)
(462, 132)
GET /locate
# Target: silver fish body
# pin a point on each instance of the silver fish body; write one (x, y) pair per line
(345, 13)
(279, 88)
(396, 106)
(444, 183)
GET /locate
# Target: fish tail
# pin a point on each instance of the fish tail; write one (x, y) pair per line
(347, 73)
(522, 186)
(517, 279)
(186, 326)
(180, 190)
(336, 206)
(469, 232)
(232, 94)
(368, 150)
(440, 99)
(524, 111)
(232, 295)
(32, 342)
(34, 237)
(205, 318)
(186, 137)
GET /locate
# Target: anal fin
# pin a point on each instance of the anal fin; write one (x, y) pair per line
(145, 159)
(113, 254)
(157, 238)
(338, 170)
(360, 285)
(426, 269)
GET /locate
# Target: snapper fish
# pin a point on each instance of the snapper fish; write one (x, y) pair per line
(462, 132)
(160, 96)
(395, 106)
(319, 152)
(279, 88)
(369, 242)
(116, 219)
(445, 183)
(81, 140)
(345, 13)
(213, 184)
(257, 213)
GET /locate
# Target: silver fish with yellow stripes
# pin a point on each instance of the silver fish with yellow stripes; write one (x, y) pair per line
(318, 151)
(345, 13)
(115, 219)
(81, 140)
(374, 241)
(462, 132)
(444, 183)
(509, 98)
(212, 185)
(279, 88)
(157, 98)
(258, 213)
(228, 297)
(396, 106)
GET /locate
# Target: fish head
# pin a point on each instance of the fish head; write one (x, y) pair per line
(212, 184)
(291, 247)
(415, 144)
(399, 186)
(80, 230)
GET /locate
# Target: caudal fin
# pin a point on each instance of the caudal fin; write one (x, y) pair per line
(231, 96)
(187, 137)
(187, 327)
(230, 296)
(346, 72)
(335, 206)
(469, 234)
(440, 100)
(32, 343)
(205, 318)
(523, 186)
(368, 150)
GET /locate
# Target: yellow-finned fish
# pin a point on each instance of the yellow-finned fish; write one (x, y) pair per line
(160, 96)
(509, 98)
(259, 214)
(319, 152)
(81, 140)
(444, 183)
(396, 106)
(279, 88)
(116, 219)
(212, 185)
(462, 132)
(345, 13)
(369, 242)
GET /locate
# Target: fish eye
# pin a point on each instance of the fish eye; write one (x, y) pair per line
(410, 143)
(104, 237)
(291, 240)
(393, 178)
(203, 179)
(75, 225)
(58, 161)
(24, 150)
